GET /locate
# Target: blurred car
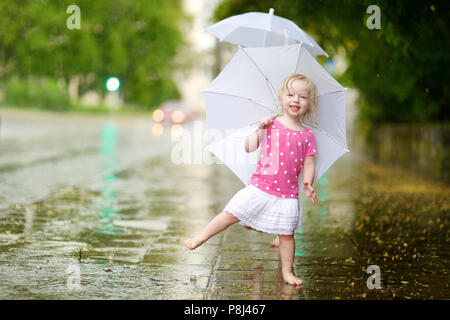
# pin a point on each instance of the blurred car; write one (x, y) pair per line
(173, 112)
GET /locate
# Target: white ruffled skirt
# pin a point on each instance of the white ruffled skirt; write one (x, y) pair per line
(265, 212)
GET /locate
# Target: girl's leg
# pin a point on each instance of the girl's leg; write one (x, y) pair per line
(250, 228)
(275, 243)
(219, 223)
(287, 251)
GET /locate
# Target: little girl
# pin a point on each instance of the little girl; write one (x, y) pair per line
(270, 202)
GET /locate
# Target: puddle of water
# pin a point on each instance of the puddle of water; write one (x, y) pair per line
(160, 225)
(129, 222)
(122, 231)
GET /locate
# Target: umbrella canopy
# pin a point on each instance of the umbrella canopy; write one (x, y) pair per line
(247, 90)
(257, 29)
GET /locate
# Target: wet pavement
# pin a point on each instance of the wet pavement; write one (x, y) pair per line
(96, 208)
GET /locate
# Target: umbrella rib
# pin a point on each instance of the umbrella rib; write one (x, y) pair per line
(250, 99)
(329, 135)
(298, 57)
(267, 79)
(338, 90)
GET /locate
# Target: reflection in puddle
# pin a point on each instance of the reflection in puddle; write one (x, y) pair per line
(322, 213)
(176, 131)
(323, 197)
(108, 199)
(299, 244)
(159, 225)
(157, 129)
(29, 213)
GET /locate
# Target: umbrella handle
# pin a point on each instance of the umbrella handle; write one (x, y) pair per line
(270, 18)
(254, 123)
(245, 133)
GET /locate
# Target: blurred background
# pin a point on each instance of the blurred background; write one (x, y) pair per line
(157, 56)
(97, 101)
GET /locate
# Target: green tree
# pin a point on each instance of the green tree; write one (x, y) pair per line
(401, 69)
(135, 41)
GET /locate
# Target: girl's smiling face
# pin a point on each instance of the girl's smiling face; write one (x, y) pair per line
(295, 100)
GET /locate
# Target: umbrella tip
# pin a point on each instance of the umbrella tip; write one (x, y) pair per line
(271, 11)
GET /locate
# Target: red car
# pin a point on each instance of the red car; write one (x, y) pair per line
(173, 112)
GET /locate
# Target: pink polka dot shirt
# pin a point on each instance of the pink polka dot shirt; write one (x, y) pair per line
(282, 154)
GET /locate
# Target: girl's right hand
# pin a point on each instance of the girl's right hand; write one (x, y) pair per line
(265, 122)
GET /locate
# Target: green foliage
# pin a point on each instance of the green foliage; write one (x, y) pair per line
(402, 69)
(135, 41)
(41, 93)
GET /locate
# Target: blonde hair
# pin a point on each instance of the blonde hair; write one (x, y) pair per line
(312, 93)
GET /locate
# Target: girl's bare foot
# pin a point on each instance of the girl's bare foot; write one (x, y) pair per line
(292, 280)
(193, 243)
(275, 243)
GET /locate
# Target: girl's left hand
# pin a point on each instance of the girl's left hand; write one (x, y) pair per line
(309, 192)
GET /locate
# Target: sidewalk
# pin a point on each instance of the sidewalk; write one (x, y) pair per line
(121, 236)
(381, 217)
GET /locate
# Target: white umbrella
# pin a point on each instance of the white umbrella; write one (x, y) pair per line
(246, 91)
(257, 29)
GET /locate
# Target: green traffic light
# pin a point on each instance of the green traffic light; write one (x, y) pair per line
(112, 84)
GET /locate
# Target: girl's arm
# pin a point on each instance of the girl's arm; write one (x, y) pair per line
(252, 142)
(308, 176)
(308, 170)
